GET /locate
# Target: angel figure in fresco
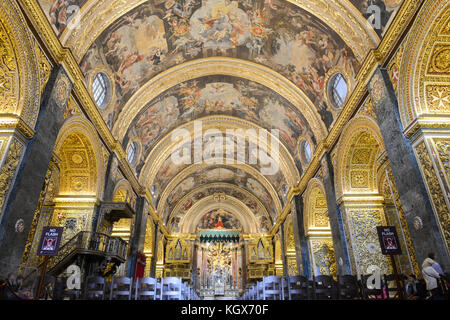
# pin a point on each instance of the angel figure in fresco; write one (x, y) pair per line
(294, 122)
(61, 12)
(129, 60)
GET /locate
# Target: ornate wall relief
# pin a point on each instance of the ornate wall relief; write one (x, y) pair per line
(364, 238)
(9, 73)
(433, 184)
(323, 258)
(396, 217)
(426, 56)
(8, 168)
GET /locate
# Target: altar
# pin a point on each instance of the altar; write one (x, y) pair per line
(219, 262)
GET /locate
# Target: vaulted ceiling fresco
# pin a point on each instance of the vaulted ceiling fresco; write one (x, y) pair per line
(287, 51)
(213, 174)
(212, 95)
(388, 10)
(158, 35)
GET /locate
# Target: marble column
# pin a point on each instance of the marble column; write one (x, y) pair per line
(158, 236)
(411, 188)
(336, 220)
(301, 243)
(138, 240)
(283, 250)
(108, 188)
(26, 189)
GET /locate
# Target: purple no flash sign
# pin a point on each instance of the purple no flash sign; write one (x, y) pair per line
(48, 246)
(388, 240)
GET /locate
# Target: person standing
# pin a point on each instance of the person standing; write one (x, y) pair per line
(431, 277)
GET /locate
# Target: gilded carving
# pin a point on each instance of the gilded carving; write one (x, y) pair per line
(178, 250)
(359, 179)
(324, 257)
(78, 166)
(316, 208)
(45, 67)
(438, 98)
(34, 223)
(291, 238)
(435, 190)
(426, 57)
(376, 88)
(62, 89)
(443, 149)
(440, 59)
(402, 219)
(364, 238)
(8, 74)
(9, 168)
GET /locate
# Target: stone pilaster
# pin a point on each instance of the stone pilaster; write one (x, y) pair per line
(25, 192)
(301, 243)
(336, 220)
(283, 250)
(138, 240)
(411, 188)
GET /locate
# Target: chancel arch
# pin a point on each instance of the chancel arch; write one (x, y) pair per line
(246, 218)
(219, 190)
(242, 175)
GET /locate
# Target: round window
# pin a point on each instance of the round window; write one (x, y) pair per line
(100, 90)
(338, 89)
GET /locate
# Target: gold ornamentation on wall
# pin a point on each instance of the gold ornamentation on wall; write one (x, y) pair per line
(292, 266)
(403, 224)
(45, 67)
(435, 190)
(359, 179)
(364, 238)
(438, 97)
(260, 249)
(316, 208)
(291, 239)
(8, 168)
(443, 149)
(440, 59)
(34, 223)
(71, 109)
(425, 65)
(367, 109)
(9, 76)
(178, 250)
(356, 170)
(376, 88)
(78, 166)
(324, 257)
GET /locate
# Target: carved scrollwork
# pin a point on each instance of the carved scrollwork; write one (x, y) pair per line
(435, 190)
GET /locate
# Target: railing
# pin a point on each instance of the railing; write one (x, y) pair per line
(95, 243)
